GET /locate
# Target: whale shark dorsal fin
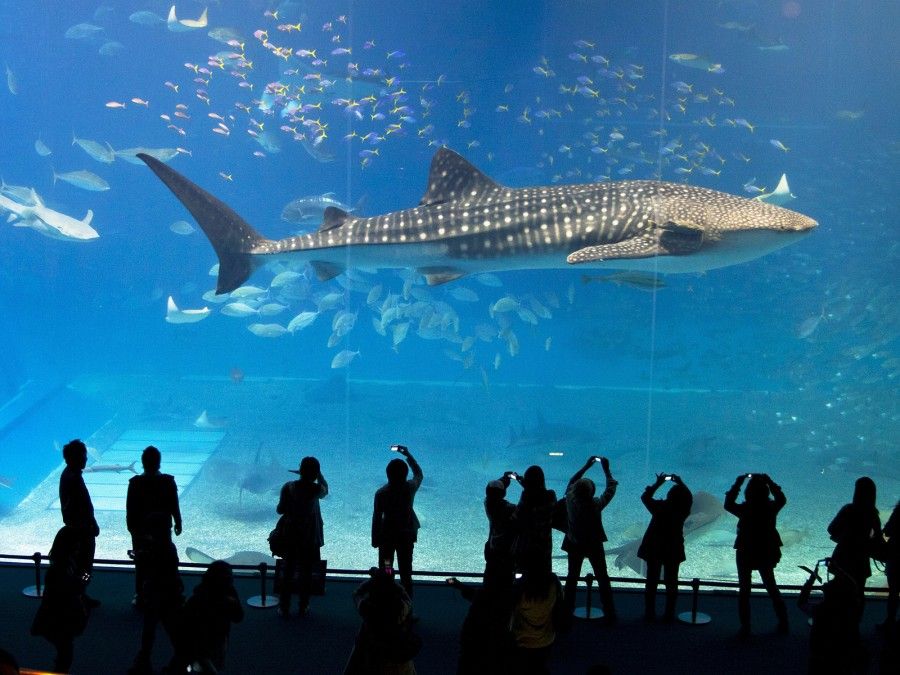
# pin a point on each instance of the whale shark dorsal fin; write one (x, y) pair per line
(453, 177)
(332, 218)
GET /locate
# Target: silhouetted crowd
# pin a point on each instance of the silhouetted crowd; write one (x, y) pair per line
(520, 606)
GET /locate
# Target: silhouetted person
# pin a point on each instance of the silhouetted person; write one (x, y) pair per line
(498, 549)
(63, 614)
(835, 647)
(205, 622)
(386, 643)
(299, 502)
(149, 493)
(538, 610)
(395, 525)
(485, 641)
(758, 543)
(585, 536)
(78, 511)
(162, 590)
(855, 530)
(533, 520)
(663, 544)
(892, 564)
(8, 663)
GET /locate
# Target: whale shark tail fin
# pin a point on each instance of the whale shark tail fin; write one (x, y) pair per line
(230, 235)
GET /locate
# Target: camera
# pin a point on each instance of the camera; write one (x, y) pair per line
(597, 458)
(397, 448)
(668, 476)
(749, 475)
(512, 474)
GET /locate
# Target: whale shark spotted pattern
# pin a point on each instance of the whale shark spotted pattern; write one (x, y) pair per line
(467, 223)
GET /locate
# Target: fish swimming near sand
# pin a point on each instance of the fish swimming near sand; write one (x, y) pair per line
(110, 468)
(468, 224)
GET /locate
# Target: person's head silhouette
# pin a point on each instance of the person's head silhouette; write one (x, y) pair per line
(75, 454)
(864, 493)
(396, 471)
(151, 459)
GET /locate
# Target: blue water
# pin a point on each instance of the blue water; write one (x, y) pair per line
(787, 363)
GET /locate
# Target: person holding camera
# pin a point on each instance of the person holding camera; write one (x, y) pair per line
(395, 525)
(585, 535)
(663, 544)
(299, 503)
(758, 544)
(533, 520)
(498, 557)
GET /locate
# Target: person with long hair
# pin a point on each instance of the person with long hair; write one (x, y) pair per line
(758, 544)
(856, 531)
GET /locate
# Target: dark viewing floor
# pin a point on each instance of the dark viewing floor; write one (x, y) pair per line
(321, 642)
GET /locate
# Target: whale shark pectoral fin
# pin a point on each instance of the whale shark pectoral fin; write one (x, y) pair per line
(668, 239)
(642, 246)
(325, 271)
(435, 276)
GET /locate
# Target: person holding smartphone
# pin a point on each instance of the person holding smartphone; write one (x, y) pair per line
(663, 544)
(758, 544)
(395, 525)
(585, 536)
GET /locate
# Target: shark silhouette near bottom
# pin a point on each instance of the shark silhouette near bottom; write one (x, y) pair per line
(467, 223)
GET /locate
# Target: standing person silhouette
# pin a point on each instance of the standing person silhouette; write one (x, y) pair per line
(533, 519)
(395, 525)
(148, 494)
(891, 533)
(758, 543)
(78, 512)
(663, 544)
(856, 529)
(585, 536)
(299, 502)
(62, 615)
(498, 558)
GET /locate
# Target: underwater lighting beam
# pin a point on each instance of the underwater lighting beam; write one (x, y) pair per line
(659, 147)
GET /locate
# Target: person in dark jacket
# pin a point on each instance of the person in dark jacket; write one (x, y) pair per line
(395, 525)
(485, 641)
(78, 512)
(533, 520)
(299, 503)
(856, 531)
(162, 591)
(891, 533)
(585, 535)
(63, 614)
(149, 493)
(204, 623)
(663, 544)
(758, 543)
(498, 557)
(386, 643)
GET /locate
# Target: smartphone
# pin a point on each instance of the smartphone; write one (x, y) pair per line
(749, 475)
(395, 448)
(597, 458)
(667, 477)
(518, 575)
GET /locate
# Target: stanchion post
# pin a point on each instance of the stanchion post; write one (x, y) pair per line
(694, 617)
(588, 612)
(261, 601)
(35, 591)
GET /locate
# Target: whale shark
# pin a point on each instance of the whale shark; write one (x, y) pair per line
(467, 223)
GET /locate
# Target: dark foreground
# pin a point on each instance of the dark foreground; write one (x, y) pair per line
(321, 642)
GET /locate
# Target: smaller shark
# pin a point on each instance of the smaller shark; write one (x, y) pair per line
(48, 222)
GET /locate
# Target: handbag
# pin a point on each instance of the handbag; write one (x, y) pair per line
(278, 538)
